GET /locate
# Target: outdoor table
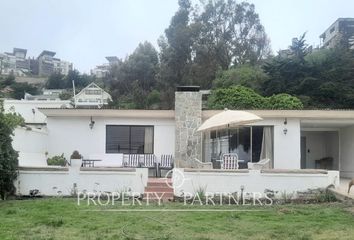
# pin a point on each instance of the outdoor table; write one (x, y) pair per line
(89, 162)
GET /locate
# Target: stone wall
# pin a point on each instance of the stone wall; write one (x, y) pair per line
(188, 117)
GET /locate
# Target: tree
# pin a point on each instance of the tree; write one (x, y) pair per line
(80, 80)
(285, 71)
(299, 48)
(66, 95)
(321, 79)
(19, 90)
(209, 38)
(175, 53)
(229, 33)
(135, 77)
(8, 156)
(55, 81)
(9, 80)
(245, 75)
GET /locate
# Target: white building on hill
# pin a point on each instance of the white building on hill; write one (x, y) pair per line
(91, 96)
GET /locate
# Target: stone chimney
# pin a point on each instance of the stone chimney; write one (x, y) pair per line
(188, 117)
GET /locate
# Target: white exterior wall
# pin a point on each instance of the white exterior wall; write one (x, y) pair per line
(31, 145)
(69, 134)
(253, 181)
(346, 164)
(24, 108)
(287, 153)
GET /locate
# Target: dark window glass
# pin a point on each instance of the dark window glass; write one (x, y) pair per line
(137, 139)
(129, 139)
(257, 138)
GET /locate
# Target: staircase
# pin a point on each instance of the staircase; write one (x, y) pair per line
(158, 188)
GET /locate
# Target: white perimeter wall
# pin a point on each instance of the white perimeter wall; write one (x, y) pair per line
(287, 153)
(69, 134)
(54, 183)
(347, 152)
(253, 181)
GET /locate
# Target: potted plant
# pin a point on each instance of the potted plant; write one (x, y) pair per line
(75, 156)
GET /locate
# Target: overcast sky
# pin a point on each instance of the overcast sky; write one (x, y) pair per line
(85, 31)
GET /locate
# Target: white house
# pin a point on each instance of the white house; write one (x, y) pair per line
(307, 148)
(92, 96)
(28, 109)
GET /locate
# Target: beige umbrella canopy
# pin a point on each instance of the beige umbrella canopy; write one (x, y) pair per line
(228, 118)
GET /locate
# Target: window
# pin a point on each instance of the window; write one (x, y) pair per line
(93, 92)
(129, 139)
(250, 143)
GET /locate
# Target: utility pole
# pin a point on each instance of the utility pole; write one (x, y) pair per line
(74, 94)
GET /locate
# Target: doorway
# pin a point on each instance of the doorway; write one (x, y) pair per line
(320, 150)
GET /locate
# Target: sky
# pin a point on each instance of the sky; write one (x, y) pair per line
(85, 31)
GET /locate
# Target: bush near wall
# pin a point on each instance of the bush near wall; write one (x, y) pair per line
(57, 161)
(239, 97)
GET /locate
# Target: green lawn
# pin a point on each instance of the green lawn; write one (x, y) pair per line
(63, 219)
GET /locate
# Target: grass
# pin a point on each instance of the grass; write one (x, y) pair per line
(64, 219)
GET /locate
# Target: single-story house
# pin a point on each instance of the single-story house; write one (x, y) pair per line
(293, 140)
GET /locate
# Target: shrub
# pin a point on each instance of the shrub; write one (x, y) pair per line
(239, 97)
(57, 161)
(284, 101)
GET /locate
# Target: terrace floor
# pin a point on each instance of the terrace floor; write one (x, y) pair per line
(343, 188)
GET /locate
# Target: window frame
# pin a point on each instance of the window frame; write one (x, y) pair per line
(130, 127)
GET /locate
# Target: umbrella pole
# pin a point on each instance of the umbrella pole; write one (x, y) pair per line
(228, 136)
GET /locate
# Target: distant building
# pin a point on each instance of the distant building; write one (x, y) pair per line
(47, 95)
(92, 96)
(340, 32)
(15, 62)
(44, 65)
(101, 71)
(62, 67)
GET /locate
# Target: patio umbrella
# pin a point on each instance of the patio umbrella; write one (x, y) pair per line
(228, 118)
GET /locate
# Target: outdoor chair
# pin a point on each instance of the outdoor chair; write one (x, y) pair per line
(131, 160)
(262, 164)
(149, 161)
(166, 163)
(229, 161)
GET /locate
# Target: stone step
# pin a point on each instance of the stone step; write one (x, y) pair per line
(155, 184)
(162, 195)
(156, 200)
(158, 189)
(159, 180)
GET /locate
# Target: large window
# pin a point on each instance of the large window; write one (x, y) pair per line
(250, 143)
(129, 139)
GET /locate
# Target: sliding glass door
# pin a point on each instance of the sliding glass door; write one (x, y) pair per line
(251, 144)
